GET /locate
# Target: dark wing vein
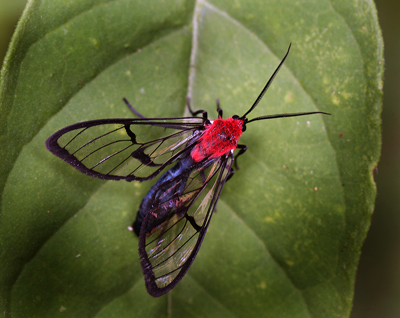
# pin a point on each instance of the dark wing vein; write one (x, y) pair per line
(168, 249)
(129, 149)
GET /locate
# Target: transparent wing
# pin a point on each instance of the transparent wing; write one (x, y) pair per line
(169, 242)
(129, 149)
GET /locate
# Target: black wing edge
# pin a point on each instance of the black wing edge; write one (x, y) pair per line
(53, 146)
(149, 277)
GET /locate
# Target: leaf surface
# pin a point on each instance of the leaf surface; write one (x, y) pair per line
(286, 237)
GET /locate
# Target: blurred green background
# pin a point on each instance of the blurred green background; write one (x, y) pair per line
(377, 290)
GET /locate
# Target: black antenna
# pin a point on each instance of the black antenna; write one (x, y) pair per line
(268, 84)
(284, 115)
(263, 92)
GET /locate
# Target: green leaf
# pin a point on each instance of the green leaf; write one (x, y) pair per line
(286, 237)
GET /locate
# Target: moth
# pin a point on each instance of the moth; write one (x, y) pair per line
(196, 156)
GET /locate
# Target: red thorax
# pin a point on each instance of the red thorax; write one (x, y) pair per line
(219, 138)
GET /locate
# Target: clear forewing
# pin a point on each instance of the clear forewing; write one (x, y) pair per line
(168, 249)
(130, 149)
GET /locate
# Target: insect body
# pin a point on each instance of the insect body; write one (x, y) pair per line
(219, 138)
(174, 215)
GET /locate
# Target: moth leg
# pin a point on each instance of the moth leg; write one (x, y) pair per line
(133, 109)
(242, 150)
(195, 113)
(230, 174)
(219, 110)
